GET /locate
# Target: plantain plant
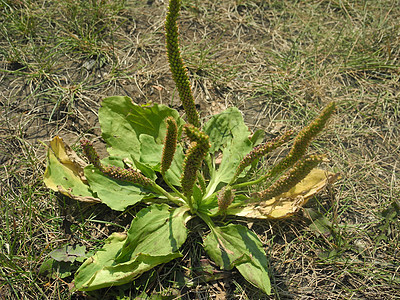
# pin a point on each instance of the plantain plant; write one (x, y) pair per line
(174, 167)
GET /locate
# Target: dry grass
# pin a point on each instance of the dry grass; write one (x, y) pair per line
(278, 61)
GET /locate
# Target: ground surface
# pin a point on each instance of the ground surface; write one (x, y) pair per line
(280, 62)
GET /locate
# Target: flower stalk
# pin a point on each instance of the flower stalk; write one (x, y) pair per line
(303, 140)
(128, 175)
(299, 148)
(91, 153)
(225, 198)
(178, 70)
(261, 151)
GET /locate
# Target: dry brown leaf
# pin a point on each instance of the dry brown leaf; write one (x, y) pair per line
(67, 157)
(64, 172)
(290, 202)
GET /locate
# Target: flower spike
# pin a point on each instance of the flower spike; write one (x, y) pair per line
(194, 157)
(128, 175)
(225, 198)
(303, 140)
(178, 70)
(299, 171)
(91, 153)
(195, 135)
(261, 151)
(169, 144)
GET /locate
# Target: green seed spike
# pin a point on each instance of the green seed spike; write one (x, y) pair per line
(195, 135)
(303, 140)
(261, 151)
(178, 70)
(225, 198)
(194, 157)
(169, 144)
(191, 165)
(128, 175)
(91, 153)
(299, 171)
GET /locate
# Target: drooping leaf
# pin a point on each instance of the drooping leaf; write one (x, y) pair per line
(103, 259)
(54, 269)
(290, 202)
(123, 122)
(115, 193)
(228, 134)
(68, 253)
(155, 236)
(64, 172)
(235, 246)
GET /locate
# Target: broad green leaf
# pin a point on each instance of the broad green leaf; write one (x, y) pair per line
(155, 236)
(231, 157)
(150, 151)
(146, 169)
(151, 154)
(104, 258)
(64, 172)
(287, 203)
(235, 246)
(122, 122)
(156, 230)
(225, 126)
(228, 134)
(116, 194)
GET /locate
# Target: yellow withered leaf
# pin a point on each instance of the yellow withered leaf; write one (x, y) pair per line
(290, 202)
(64, 172)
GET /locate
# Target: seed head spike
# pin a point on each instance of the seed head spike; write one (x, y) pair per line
(225, 198)
(303, 140)
(91, 153)
(261, 151)
(194, 157)
(297, 173)
(178, 70)
(169, 144)
(128, 175)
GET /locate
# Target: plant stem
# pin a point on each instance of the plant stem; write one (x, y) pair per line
(175, 200)
(248, 183)
(171, 186)
(206, 219)
(190, 203)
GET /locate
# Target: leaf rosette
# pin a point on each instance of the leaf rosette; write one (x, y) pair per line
(182, 171)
